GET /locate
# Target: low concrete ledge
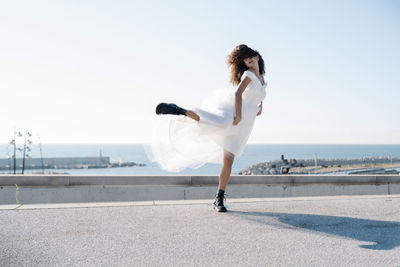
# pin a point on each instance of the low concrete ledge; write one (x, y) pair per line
(300, 179)
(114, 188)
(129, 180)
(190, 180)
(118, 193)
(34, 180)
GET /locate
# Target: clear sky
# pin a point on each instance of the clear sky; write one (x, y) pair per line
(93, 71)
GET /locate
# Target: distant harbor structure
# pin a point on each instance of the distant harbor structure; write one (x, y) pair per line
(13, 162)
(363, 165)
(65, 163)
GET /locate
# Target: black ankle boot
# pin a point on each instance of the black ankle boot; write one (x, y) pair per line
(219, 203)
(164, 108)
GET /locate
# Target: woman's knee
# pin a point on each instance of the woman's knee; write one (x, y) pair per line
(228, 158)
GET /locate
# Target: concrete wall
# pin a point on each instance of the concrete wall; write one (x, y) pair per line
(94, 188)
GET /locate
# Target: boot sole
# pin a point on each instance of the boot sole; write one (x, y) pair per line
(160, 107)
(216, 209)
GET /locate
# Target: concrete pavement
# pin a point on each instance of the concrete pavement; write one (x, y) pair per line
(306, 231)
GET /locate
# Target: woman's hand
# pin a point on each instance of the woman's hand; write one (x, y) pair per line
(259, 113)
(236, 120)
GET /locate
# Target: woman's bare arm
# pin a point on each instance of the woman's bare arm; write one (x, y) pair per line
(238, 99)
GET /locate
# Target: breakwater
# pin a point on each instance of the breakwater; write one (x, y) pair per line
(307, 166)
(65, 163)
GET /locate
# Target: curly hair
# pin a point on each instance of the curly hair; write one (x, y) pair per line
(235, 61)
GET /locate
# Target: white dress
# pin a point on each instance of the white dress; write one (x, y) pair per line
(184, 142)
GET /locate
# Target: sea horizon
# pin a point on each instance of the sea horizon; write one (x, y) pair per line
(253, 154)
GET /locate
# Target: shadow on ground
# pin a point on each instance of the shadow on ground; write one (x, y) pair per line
(384, 234)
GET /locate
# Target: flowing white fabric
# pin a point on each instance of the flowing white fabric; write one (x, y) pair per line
(180, 142)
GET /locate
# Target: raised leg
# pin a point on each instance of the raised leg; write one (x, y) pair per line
(193, 115)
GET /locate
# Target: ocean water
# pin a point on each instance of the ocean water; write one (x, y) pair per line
(253, 154)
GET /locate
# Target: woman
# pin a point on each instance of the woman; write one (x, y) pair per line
(218, 130)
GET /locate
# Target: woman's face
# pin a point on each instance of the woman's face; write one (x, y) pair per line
(251, 62)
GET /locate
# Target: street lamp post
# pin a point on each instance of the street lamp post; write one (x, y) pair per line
(41, 154)
(26, 148)
(14, 155)
(15, 150)
(14, 143)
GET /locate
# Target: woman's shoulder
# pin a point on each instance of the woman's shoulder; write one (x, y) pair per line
(248, 73)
